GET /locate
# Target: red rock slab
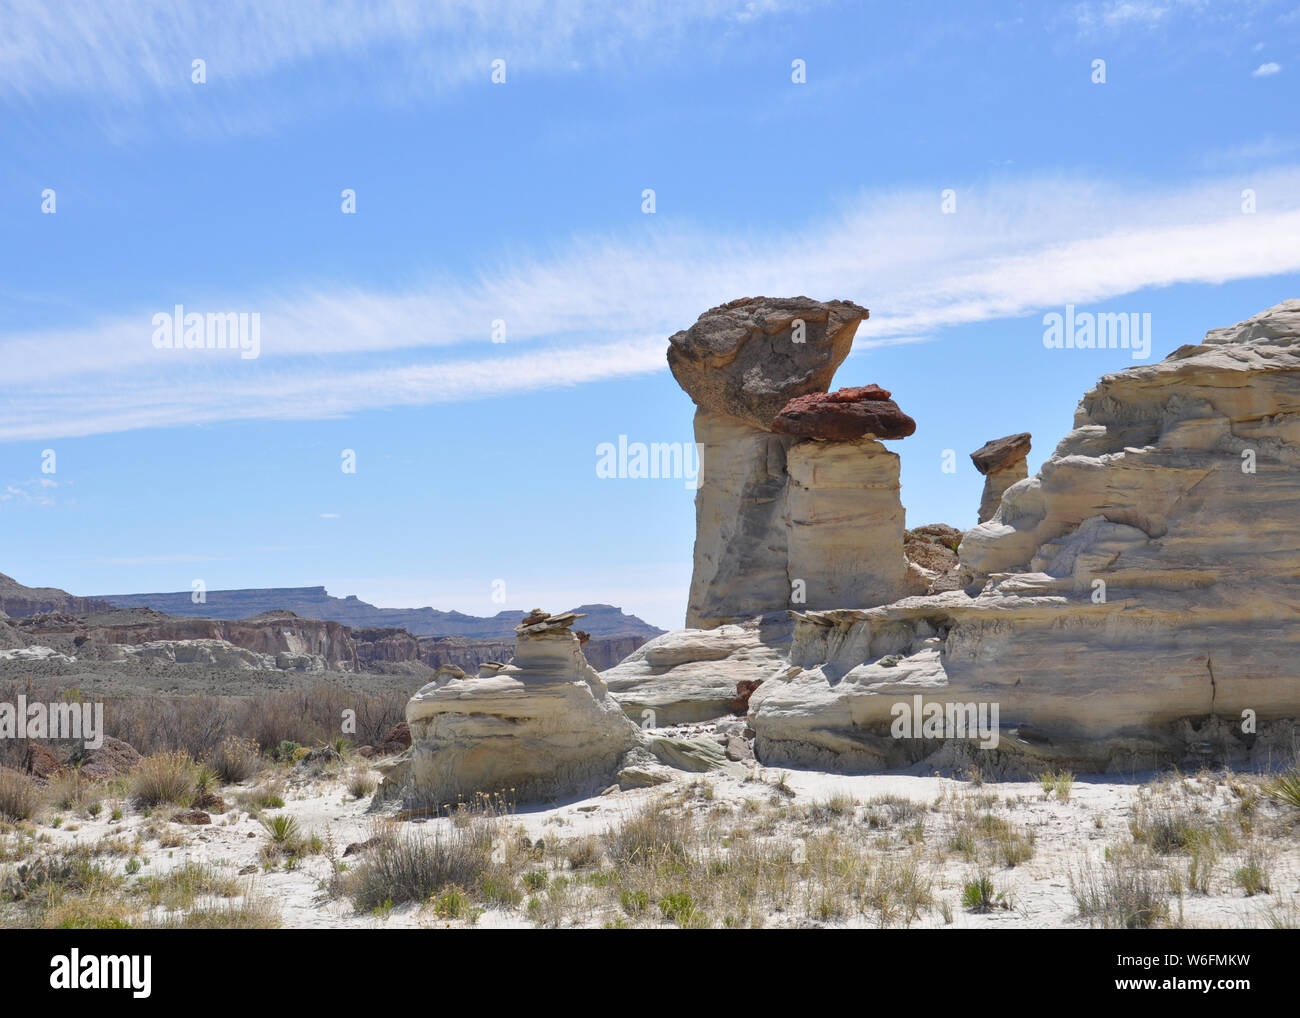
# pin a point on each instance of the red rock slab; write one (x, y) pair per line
(844, 415)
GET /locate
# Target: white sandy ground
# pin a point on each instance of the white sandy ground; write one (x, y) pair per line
(1096, 814)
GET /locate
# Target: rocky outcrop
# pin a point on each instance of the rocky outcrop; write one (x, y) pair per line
(933, 546)
(748, 358)
(214, 654)
(539, 728)
(1138, 596)
(691, 675)
(864, 410)
(1003, 462)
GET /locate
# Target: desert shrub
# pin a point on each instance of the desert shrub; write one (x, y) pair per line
(235, 759)
(413, 866)
(1126, 893)
(582, 853)
(19, 797)
(361, 783)
(253, 912)
(680, 909)
(649, 835)
(1285, 788)
(978, 894)
(163, 778)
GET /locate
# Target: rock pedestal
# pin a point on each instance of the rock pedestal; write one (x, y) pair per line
(1003, 462)
(798, 504)
(541, 727)
(845, 524)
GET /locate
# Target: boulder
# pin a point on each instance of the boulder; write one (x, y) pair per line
(398, 737)
(844, 415)
(748, 358)
(1001, 452)
(39, 762)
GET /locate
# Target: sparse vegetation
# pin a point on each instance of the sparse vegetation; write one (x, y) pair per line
(236, 759)
(163, 778)
(1125, 893)
(19, 799)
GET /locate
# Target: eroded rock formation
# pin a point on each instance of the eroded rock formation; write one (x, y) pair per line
(18, 601)
(273, 640)
(1003, 462)
(691, 674)
(798, 503)
(538, 728)
(1139, 593)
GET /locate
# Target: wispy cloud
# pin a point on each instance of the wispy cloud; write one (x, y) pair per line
(1266, 70)
(125, 56)
(603, 308)
(32, 492)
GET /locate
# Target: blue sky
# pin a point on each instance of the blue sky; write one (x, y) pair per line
(522, 201)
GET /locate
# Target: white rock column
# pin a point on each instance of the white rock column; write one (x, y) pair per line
(845, 522)
(740, 535)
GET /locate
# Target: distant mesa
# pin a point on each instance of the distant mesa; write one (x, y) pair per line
(603, 620)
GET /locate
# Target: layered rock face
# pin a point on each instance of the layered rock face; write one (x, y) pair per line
(845, 524)
(692, 675)
(1139, 594)
(797, 504)
(541, 727)
(740, 531)
(1003, 462)
(271, 640)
